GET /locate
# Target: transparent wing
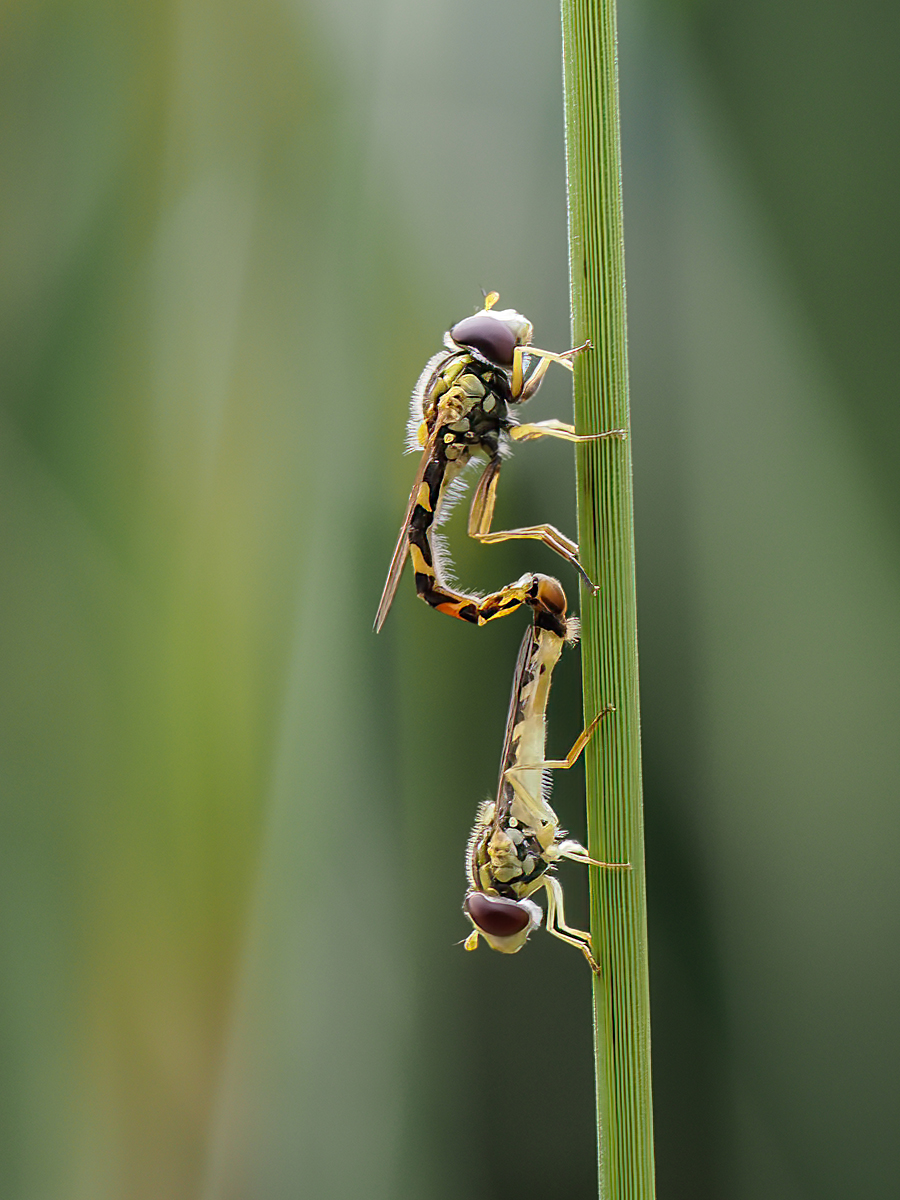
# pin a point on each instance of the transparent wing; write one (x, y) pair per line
(401, 550)
(398, 562)
(523, 662)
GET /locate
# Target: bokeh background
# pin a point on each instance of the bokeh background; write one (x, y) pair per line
(232, 818)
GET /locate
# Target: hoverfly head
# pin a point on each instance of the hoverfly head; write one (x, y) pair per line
(504, 924)
(493, 335)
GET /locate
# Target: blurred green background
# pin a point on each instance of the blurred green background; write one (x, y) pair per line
(233, 819)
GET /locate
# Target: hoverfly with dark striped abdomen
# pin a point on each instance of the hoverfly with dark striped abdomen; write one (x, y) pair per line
(517, 841)
(461, 409)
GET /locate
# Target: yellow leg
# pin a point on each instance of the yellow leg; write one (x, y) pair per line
(560, 429)
(575, 852)
(556, 923)
(564, 764)
(482, 513)
(524, 388)
(550, 536)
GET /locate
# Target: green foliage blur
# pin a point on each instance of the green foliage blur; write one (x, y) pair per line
(233, 819)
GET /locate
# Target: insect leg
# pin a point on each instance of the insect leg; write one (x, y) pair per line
(575, 852)
(482, 513)
(478, 610)
(563, 764)
(551, 537)
(560, 429)
(522, 387)
(556, 922)
(569, 848)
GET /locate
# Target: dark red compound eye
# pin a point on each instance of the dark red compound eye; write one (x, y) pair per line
(497, 916)
(490, 337)
(550, 594)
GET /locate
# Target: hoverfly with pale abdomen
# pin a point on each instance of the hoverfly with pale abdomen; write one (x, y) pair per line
(460, 409)
(517, 841)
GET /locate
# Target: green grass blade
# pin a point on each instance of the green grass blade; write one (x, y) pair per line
(609, 648)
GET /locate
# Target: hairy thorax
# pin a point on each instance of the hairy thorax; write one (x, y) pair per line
(469, 399)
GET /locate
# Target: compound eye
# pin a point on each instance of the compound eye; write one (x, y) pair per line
(550, 595)
(497, 916)
(490, 337)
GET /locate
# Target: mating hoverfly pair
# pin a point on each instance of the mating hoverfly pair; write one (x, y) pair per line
(461, 411)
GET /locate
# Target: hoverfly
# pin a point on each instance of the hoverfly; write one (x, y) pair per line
(517, 841)
(460, 409)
